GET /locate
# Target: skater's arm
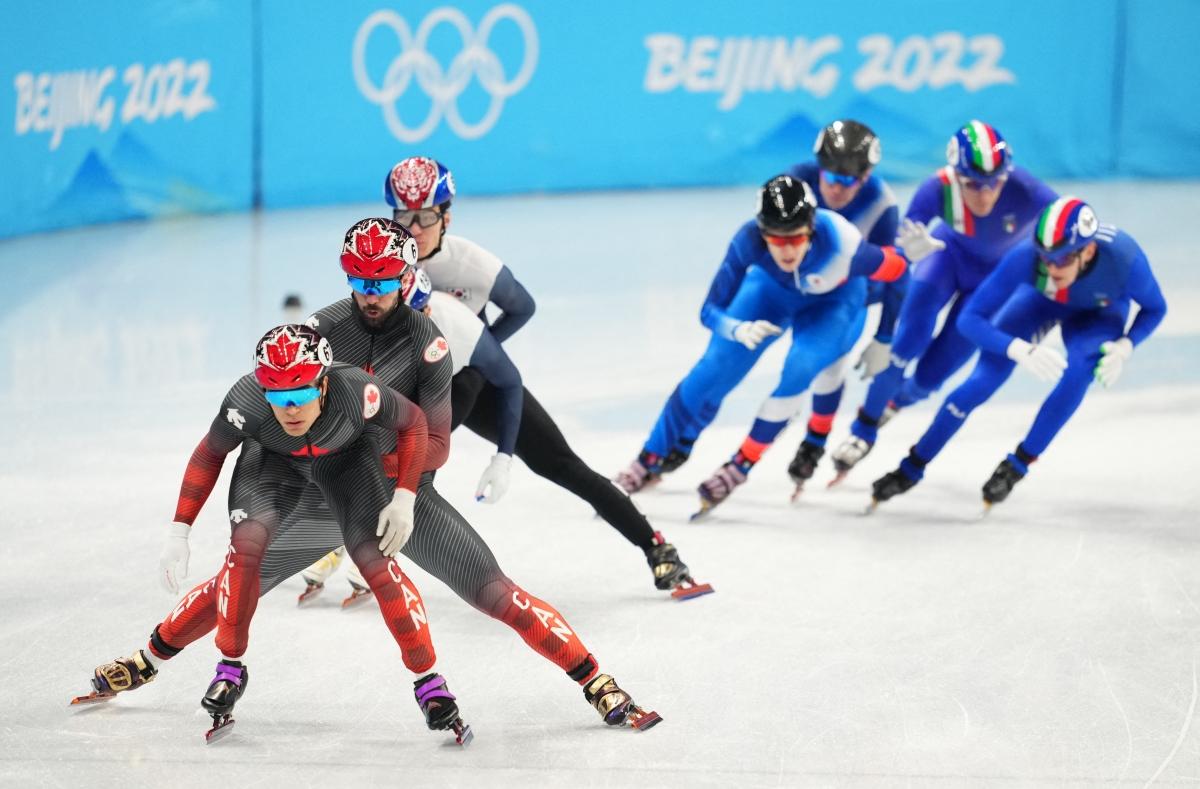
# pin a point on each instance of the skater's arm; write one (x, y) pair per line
(883, 232)
(975, 320)
(880, 264)
(721, 292)
(435, 369)
(203, 468)
(516, 305)
(396, 412)
(926, 203)
(1152, 307)
(491, 360)
(893, 298)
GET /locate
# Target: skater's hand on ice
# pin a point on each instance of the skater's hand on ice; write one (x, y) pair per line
(915, 240)
(495, 476)
(173, 562)
(396, 522)
(875, 359)
(1046, 363)
(1112, 361)
(751, 333)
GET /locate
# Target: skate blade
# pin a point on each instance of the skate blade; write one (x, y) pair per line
(95, 697)
(462, 733)
(642, 720)
(796, 493)
(222, 728)
(837, 479)
(987, 510)
(870, 508)
(356, 599)
(706, 507)
(689, 589)
(308, 594)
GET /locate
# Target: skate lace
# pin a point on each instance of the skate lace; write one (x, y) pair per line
(725, 479)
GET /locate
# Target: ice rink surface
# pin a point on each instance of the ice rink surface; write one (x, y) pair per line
(1055, 643)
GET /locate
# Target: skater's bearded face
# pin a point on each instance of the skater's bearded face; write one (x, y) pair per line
(297, 419)
(1067, 270)
(836, 191)
(981, 196)
(376, 309)
(788, 249)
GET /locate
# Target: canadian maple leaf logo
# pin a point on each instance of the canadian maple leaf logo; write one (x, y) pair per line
(371, 243)
(282, 352)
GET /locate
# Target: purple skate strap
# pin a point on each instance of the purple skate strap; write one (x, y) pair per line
(229, 674)
(435, 688)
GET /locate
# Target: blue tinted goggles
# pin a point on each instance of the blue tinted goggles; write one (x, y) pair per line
(373, 287)
(838, 178)
(284, 398)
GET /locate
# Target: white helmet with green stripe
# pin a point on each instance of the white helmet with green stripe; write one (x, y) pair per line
(978, 152)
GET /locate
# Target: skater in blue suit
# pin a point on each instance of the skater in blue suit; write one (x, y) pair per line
(1075, 273)
(793, 266)
(985, 206)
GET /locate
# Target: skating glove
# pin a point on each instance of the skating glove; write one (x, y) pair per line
(915, 240)
(173, 562)
(1112, 361)
(751, 333)
(1046, 363)
(496, 476)
(396, 522)
(875, 359)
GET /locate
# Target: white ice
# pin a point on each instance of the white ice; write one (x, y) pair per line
(1056, 642)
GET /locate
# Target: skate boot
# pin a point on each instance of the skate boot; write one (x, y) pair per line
(909, 473)
(674, 459)
(671, 573)
(645, 470)
(804, 464)
(120, 675)
(717, 488)
(615, 705)
(315, 575)
(437, 703)
(847, 456)
(223, 693)
(1001, 483)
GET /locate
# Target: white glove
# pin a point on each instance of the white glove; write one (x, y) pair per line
(1112, 361)
(173, 561)
(751, 333)
(875, 359)
(1046, 363)
(916, 242)
(396, 522)
(495, 475)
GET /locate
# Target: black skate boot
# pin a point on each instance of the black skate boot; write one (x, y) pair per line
(437, 703)
(804, 464)
(675, 458)
(223, 693)
(892, 484)
(671, 573)
(615, 706)
(120, 675)
(1001, 483)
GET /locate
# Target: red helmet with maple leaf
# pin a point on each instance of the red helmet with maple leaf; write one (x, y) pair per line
(378, 248)
(291, 356)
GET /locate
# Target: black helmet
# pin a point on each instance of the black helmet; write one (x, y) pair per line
(847, 147)
(785, 205)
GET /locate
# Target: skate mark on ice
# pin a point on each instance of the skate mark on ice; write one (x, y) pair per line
(1124, 719)
(966, 717)
(1078, 552)
(1184, 592)
(1187, 723)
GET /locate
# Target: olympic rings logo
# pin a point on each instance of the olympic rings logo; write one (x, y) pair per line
(444, 86)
